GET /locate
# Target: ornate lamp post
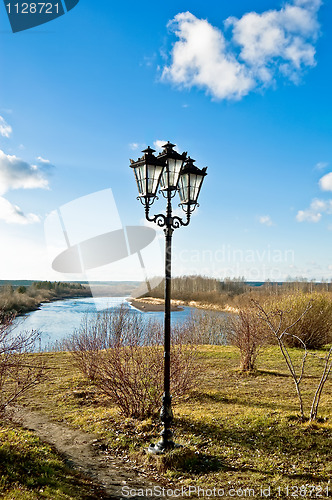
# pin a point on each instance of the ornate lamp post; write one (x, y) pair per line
(171, 173)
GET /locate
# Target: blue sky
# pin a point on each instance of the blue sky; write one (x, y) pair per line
(244, 87)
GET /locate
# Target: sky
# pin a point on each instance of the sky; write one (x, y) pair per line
(243, 87)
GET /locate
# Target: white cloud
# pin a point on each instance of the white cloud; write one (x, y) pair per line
(43, 160)
(315, 211)
(12, 214)
(134, 146)
(261, 47)
(325, 183)
(276, 39)
(158, 144)
(308, 215)
(200, 58)
(45, 165)
(266, 220)
(16, 173)
(5, 129)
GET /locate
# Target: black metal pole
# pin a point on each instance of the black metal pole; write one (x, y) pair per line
(166, 413)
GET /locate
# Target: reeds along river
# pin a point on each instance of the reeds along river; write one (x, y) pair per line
(57, 320)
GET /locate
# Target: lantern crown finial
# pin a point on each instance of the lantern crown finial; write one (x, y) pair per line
(190, 161)
(168, 145)
(148, 151)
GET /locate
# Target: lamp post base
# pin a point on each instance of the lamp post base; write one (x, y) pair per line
(160, 448)
(166, 416)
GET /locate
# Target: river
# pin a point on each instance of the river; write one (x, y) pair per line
(57, 320)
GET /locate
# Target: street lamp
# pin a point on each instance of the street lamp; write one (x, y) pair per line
(171, 172)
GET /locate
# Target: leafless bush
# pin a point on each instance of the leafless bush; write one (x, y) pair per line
(20, 370)
(86, 345)
(247, 333)
(122, 353)
(209, 327)
(280, 323)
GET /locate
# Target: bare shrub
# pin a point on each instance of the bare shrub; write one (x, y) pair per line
(327, 368)
(314, 329)
(281, 323)
(209, 327)
(247, 333)
(122, 353)
(86, 344)
(20, 370)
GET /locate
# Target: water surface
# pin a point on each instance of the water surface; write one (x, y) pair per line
(57, 320)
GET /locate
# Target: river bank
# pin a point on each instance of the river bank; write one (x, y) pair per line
(150, 304)
(23, 300)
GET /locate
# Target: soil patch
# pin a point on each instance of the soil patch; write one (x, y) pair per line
(85, 453)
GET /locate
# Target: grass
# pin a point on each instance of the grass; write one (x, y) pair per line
(238, 430)
(32, 470)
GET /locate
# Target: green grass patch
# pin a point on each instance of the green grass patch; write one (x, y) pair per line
(31, 469)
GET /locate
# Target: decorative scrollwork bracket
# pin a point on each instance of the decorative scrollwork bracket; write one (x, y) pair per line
(170, 223)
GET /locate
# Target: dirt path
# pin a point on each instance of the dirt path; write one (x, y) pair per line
(84, 453)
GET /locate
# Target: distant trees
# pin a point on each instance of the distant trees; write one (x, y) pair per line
(56, 286)
(201, 288)
(235, 292)
(21, 299)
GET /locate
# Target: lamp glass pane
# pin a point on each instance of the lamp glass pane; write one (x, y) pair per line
(195, 184)
(154, 172)
(184, 188)
(170, 176)
(140, 174)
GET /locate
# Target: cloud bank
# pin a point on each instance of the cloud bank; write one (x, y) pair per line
(259, 49)
(315, 211)
(18, 174)
(12, 214)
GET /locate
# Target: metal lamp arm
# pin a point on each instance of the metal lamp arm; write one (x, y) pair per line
(158, 219)
(173, 222)
(178, 222)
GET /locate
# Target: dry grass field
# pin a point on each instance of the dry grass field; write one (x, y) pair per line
(238, 431)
